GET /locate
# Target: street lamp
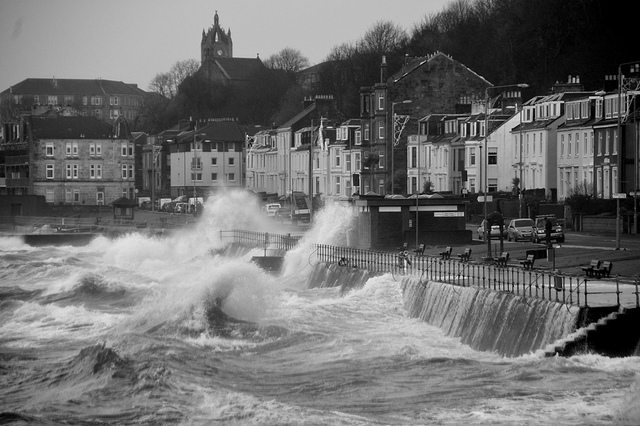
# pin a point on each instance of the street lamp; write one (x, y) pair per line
(393, 137)
(487, 228)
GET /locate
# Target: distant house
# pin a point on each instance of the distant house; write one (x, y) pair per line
(106, 100)
(68, 160)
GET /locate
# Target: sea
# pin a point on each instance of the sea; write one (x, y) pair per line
(176, 330)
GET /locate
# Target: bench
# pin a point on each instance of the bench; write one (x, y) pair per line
(446, 254)
(503, 259)
(589, 270)
(604, 270)
(420, 250)
(465, 255)
(404, 247)
(528, 262)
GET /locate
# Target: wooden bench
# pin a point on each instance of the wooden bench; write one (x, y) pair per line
(528, 262)
(503, 259)
(404, 247)
(465, 255)
(420, 250)
(446, 254)
(589, 270)
(604, 270)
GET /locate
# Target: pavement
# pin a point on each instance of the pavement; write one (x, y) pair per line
(578, 249)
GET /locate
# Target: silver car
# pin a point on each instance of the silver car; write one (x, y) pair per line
(520, 229)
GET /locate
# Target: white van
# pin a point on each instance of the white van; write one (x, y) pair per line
(271, 209)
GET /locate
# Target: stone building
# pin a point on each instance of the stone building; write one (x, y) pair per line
(217, 62)
(68, 160)
(106, 100)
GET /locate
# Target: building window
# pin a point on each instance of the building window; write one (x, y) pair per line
(214, 177)
(98, 171)
(50, 171)
(232, 177)
(74, 149)
(100, 198)
(68, 195)
(85, 100)
(67, 148)
(114, 100)
(214, 161)
(358, 137)
(92, 149)
(472, 156)
(337, 156)
(357, 161)
(75, 171)
(197, 177)
(493, 156)
(231, 161)
(68, 171)
(381, 102)
(96, 100)
(493, 185)
(92, 171)
(381, 130)
(124, 171)
(49, 149)
(338, 185)
(49, 195)
(413, 157)
(52, 100)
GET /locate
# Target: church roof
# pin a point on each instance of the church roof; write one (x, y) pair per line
(238, 69)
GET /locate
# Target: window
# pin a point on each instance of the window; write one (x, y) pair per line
(124, 171)
(337, 156)
(49, 171)
(49, 195)
(98, 171)
(413, 157)
(214, 177)
(231, 161)
(196, 164)
(337, 181)
(76, 195)
(130, 168)
(85, 100)
(358, 137)
(123, 148)
(92, 149)
(214, 161)
(52, 100)
(74, 149)
(68, 195)
(493, 156)
(196, 177)
(96, 100)
(36, 99)
(381, 101)
(577, 144)
(356, 160)
(67, 148)
(380, 130)
(232, 177)
(75, 171)
(98, 150)
(472, 156)
(599, 108)
(569, 145)
(68, 171)
(114, 100)
(366, 131)
(92, 171)
(493, 185)
(100, 198)
(49, 149)
(347, 161)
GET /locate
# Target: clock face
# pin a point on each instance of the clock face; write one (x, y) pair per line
(220, 51)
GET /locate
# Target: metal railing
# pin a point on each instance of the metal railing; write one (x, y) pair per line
(261, 239)
(542, 284)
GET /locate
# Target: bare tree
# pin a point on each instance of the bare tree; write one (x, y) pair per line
(288, 59)
(167, 83)
(384, 37)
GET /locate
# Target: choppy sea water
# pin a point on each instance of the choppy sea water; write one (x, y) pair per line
(143, 330)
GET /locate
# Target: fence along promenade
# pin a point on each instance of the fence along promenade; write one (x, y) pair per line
(544, 284)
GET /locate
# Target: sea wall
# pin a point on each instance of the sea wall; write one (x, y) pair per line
(488, 320)
(332, 275)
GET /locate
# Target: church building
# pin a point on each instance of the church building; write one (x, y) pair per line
(217, 61)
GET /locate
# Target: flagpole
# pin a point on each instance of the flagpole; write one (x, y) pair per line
(311, 174)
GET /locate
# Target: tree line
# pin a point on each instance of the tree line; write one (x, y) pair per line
(538, 42)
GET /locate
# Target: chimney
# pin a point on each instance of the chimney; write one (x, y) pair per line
(383, 70)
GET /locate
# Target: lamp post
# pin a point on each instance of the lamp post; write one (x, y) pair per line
(487, 227)
(393, 137)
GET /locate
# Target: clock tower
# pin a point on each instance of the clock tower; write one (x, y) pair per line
(215, 43)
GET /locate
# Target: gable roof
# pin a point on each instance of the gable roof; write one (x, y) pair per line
(418, 62)
(48, 127)
(238, 69)
(63, 86)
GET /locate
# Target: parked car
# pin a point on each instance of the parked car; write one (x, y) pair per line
(557, 229)
(520, 229)
(493, 233)
(271, 209)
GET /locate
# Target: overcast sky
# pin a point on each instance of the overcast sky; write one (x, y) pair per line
(133, 40)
